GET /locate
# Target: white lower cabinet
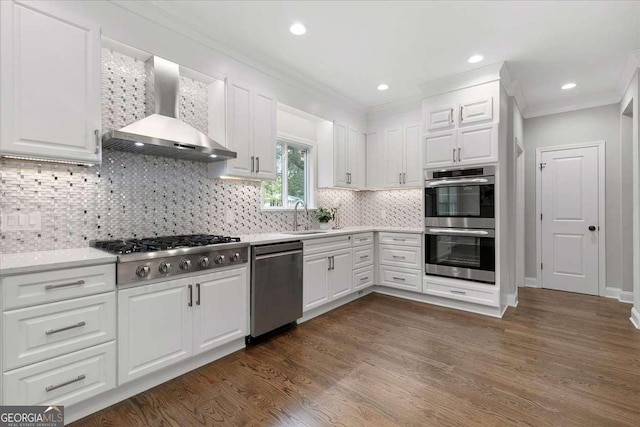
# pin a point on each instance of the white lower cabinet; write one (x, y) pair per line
(400, 256)
(315, 279)
(327, 275)
(401, 278)
(163, 323)
(341, 274)
(464, 291)
(363, 278)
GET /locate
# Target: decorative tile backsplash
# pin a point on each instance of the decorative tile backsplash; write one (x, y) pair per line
(133, 195)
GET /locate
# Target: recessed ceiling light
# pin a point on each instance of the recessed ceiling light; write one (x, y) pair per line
(298, 28)
(383, 86)
(213, 156)
(139, 144)
(568, 86)
(475, 59)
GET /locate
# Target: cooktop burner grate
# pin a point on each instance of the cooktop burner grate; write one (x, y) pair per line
(153, 244)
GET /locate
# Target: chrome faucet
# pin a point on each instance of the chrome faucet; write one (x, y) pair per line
(295, 213)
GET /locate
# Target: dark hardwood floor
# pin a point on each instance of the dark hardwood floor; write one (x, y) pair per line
(559, 359)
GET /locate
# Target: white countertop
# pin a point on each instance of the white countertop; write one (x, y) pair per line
(29, 262)
(266, 238)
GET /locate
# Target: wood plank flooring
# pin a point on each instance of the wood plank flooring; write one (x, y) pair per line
(558, 359)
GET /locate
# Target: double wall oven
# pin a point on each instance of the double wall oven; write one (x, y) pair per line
(460, 223)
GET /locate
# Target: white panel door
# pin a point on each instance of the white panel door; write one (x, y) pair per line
(315, 279)
(50, 85)
(221, 308)
(569, 196)
(376, 167)
(155, 327)
(264, 135)
(412, 157)
(353, 157)
(340, 155)
(360, 177)
(393, 156)
(478, 144)
(440, 149)
(341, 276)
(240, 129)
(440, 118)
(480, 110)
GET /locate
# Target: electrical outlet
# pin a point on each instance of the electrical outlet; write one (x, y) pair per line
(21, 221)
(230, 217)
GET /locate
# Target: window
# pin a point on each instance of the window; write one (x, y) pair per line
(292, 178)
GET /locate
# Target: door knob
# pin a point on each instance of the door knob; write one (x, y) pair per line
(592, 228)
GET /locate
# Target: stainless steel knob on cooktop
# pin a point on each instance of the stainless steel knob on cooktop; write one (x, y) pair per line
(143, 271)
(219, 259)
(204, 262)
(164, 267)
(235, 257)
(185, 264)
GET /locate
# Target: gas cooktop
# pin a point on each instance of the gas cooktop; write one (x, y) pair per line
(162, 243)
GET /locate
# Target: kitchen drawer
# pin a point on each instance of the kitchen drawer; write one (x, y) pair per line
(401, 278)
(39, 288)
(326, 244)
(363, 278)
(476, 296)
(404, 239)
(64, 380)
(38, 333)
(362, 256)
(363, 239)
(401, 256)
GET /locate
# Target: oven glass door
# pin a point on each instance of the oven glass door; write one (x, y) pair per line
(467, 201)
(461, 255)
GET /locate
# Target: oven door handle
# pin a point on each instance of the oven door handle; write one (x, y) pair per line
(463, 181)
(461, 232)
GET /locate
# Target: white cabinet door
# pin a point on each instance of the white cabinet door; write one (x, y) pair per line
(221, 308)
(478, 144)
(50, 85)
(315, 281)
(155, 327)
(360, 179)
(440, 118)
(375, 166)
(240, 129)
(264, 135)
(440, 149)
(353, 157)
(340, 154)
(480, 110)
(393, 156)
(341, 275)
(412, 153)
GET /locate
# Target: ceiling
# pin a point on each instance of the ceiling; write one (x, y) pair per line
(352, 46)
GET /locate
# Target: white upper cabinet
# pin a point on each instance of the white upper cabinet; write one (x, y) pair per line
(395, 155)
(461, 127)
(340, 155)
(412, 156)
(251, 133)
(50, 85)
(341, 162)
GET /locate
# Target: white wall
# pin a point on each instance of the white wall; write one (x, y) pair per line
(592, 124)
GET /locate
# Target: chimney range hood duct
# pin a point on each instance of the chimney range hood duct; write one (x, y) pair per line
(162, 133)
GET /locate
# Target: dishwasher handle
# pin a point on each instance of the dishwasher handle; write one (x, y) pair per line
(278, 254)
(276, 248)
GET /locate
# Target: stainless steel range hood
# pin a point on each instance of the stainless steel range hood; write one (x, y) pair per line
(162, 133)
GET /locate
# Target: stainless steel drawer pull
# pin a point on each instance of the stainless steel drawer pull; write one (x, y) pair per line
(66, 328)
(364, 239)
(75, 380)
(457, 292)
(362, 279)
(395, 239)
(364, 257)
(399, 257)
(65, 285)
(402, 279)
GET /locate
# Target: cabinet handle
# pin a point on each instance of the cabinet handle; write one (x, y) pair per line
(457, 292)
(399, 257)
(66, 328)
(97, 134)
(401, 279)
(399, 178)
(65, 285)
(363, 239)
(190, 296)
(454, 155)
(451, 117)
(198, 290)
(404, 177)
(397, 239)
(257, 164)
(459, 154)
(362, 279)
(55, 387)
(461, 108)
(253, 164)
(364, 257)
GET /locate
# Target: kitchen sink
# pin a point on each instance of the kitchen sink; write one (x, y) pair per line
(297, 233)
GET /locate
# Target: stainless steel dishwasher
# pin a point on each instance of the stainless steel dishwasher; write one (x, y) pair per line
(276, 287)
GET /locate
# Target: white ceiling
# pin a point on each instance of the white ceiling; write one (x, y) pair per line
(352, 46)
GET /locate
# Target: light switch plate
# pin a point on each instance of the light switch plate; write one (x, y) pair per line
(31, 221)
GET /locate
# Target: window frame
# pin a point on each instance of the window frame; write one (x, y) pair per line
(309, 174)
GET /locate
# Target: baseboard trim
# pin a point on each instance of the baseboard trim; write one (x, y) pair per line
(512, 299)
(626, 297)
(635, 318)
(87, 407)
(319, 311)
(531, 282)
(616, 293)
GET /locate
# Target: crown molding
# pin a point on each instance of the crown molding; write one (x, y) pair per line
(486, 74)
(512, 87)
(395, 107)
(151, 11)
(546, 110)
(626, 75)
